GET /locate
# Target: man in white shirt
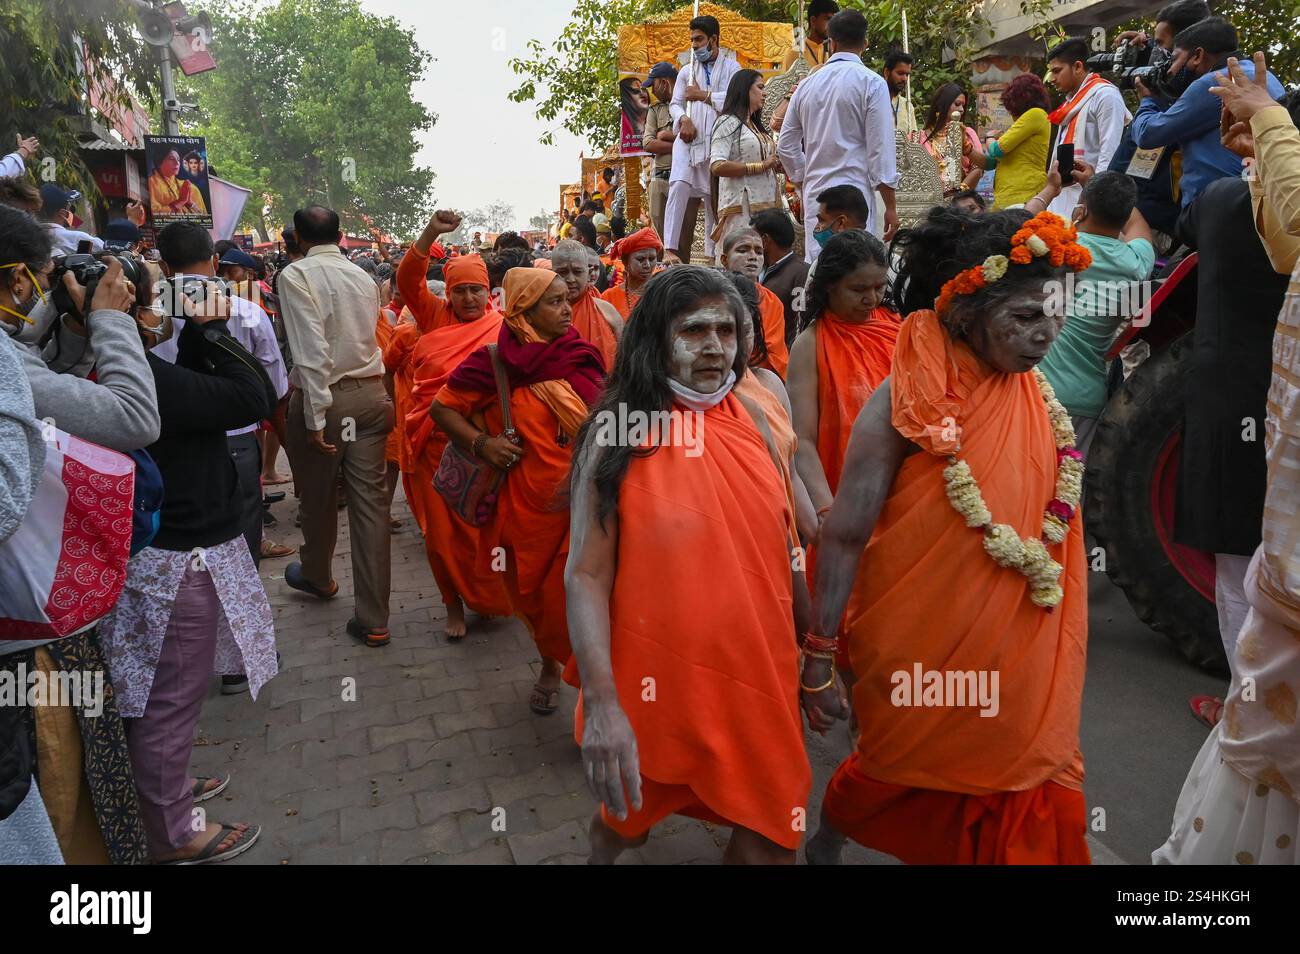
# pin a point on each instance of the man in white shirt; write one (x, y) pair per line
(698, 97)
(1092, 117)
(56, 213)
(339, 417)
(839, 130)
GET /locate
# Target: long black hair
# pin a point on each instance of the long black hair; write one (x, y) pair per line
(639, 380)
(936, 115)
(736, 102)
(748, 289)
(843, 254)
(948, 241)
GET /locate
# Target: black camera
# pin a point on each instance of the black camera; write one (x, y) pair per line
(87, 270)
(1130, 63)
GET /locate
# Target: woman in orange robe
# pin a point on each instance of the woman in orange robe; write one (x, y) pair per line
(681, 590)
(948, 769)
(595, 319)
(554, 376)
(837, 361)
(640, 253)
(742, 251)
(445, 333)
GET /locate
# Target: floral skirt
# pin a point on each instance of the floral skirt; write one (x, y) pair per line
(1223, 818)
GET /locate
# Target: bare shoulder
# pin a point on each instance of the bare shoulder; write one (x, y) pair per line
(803, 352)
(772, 381)
(611, 315)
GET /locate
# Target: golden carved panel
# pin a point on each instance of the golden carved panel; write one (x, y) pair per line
(757, 45)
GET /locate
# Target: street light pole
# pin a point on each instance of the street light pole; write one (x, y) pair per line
(170, 108)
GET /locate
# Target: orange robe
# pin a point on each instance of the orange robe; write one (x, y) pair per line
(531, 523)
(783, 435)
(852, 360)
(772, 313)
(941, 783)
(594, 326)
(385, 330)
(450, 543)
(397, 360)
(616, 295)
(702, 605)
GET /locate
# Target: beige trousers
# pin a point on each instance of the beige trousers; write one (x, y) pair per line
(357, 423)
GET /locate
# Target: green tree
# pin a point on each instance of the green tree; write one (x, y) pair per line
(574, 80)
(496, 216)
(541, 221)
(41, 84)
(311, 102)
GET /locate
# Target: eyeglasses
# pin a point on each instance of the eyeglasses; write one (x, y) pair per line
(39, 291)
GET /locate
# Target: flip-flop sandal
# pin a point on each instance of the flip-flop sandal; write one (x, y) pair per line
(1207, 710)
(202, 793)
(209, 853)
(281, 479)
(550, 700)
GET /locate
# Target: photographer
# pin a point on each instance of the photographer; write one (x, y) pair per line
(1192, 121)
(1171, 20)
(193, 603)
(118, 410)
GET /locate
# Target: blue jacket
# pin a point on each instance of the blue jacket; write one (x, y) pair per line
(1193, 121)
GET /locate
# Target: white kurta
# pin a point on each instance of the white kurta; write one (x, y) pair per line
(839, 130)
(689, 178)
(1097, 135)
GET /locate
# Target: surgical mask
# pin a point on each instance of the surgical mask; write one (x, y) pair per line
(24, 308)
(823, 236)
(704, 56)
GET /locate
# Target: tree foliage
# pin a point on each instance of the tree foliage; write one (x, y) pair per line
(41, 85)
(574, 80)
(496, 216)
(311, 102)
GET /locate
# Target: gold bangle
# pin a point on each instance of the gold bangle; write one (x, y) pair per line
(830, 682)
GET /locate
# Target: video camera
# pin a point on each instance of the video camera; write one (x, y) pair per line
(1129, 63)
(87, 270)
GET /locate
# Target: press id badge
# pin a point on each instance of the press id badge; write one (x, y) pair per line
(1144, 162)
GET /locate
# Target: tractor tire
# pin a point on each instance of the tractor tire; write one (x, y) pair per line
(1130, 487)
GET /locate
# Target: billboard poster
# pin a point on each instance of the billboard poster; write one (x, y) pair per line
(177, 171)
(635, 106)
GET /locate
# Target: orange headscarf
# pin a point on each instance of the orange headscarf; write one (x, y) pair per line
(465, 270)
(543, 263)
(524, 288)
(638, 240)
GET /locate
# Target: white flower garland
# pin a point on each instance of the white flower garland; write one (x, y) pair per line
(1028, 555)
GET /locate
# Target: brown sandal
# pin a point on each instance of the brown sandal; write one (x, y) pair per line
(544, 701)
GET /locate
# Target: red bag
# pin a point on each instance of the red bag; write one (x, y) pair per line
(470, 485)
(65, 566)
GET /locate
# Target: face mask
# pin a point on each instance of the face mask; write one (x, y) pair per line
(703, 56)
(823, 236)
(1177, 84)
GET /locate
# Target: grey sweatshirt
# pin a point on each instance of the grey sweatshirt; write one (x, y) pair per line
(22, 449)
(119, 410)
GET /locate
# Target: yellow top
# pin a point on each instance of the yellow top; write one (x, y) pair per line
(164, 191)
(1275, 186)
(1021, 154)
(814, 52)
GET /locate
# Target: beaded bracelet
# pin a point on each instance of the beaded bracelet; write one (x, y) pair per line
(476, 448)
(820, 645)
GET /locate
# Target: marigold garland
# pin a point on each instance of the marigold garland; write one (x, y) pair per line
(1046, 234)
(1028, 555)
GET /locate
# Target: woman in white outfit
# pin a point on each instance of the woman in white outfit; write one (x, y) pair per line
(742, 155)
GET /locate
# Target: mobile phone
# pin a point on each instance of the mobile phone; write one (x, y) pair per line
(1065, 162)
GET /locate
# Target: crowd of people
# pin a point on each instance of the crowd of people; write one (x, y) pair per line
(730, 501)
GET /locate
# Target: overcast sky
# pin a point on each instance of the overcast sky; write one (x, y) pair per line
(484, 147)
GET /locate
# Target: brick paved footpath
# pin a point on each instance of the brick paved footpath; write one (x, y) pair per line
(438, 738)
(439, 735)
